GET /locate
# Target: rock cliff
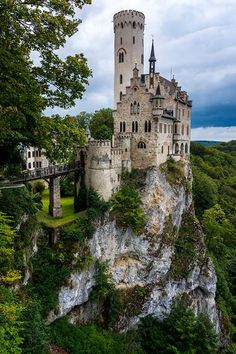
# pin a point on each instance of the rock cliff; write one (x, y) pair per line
(166, 261)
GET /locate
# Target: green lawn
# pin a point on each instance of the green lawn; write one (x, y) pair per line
(68, 214)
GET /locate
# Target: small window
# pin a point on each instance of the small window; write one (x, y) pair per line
(37, 164)
(164, 128)
(141, 145)
(186, 148)
(121, 57)
(29, 165)
(133, 39)
(177, 149)
(131, 109)
(124, 127)
(33, 153)
(142, 59)
(120, 95)
(162, 149)
(160, 127)
(40, 164)
(176, 129)
(182, 129)
(33, 164)
(133, 127)
(121, 79)
(134, 24)
(39, 153)
(136, 127)
(29, 154)
(138, 108)
(135, 107)
(122, 25)
(121, 127)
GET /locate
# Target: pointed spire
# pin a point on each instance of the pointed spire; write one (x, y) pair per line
(152, 56)
(158, 91)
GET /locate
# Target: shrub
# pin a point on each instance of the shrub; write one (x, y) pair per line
(126, 208)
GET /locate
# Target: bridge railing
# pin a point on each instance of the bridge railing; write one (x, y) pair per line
(46, 172)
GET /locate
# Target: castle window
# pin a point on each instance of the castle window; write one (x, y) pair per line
(176, 148)
(176, 129)
(124, 127)
(121, 57)
(33, 153)
(162, 149)
(142, 59)
(121, 79)
(40, 164)
(29, 154)
(121, 40)
(134, 24)
(141, 145)
(122, 25)
(164, 128)
(183, 112)
(37, 153)
(136, 127)
(120, 95)
(131, 109)
(186, 148)
(138, 108)
(132, 127)
(121, 127)
(29, 165)
(147, 126)
(133, 39)
(182, 129)
(160, 127)
(135, 107)
(182, 149)
(34, 164)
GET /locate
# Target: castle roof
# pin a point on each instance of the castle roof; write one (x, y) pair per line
(152, 56)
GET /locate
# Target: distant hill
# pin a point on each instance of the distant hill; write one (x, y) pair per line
(207, 142)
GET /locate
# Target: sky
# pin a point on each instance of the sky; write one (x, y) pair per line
(194, 39)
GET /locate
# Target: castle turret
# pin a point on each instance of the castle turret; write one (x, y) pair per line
(129, 49)
(152, 64)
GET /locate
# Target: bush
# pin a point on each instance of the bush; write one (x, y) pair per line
(180, 332)
(126, 208)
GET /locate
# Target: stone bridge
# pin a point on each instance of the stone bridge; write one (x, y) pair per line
(52, 175)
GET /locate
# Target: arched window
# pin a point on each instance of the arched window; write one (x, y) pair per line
(134, 24)
(146, 126)
(142, 59)
(182, 149)
(121, 127)
(133, 39)
(149, 126)
(121, 79)
(133, 127)
(186, 148)
(141, 145)
(120, 95)
(176, 148)
(124, 127)
(122, 25)
(138, 108)
(135, 107)
(136, 127)
(131, 109)
(121, 57)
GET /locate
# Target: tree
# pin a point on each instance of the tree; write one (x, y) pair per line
(83, 119)
(27, 87)
(180, 332)
(101, 124)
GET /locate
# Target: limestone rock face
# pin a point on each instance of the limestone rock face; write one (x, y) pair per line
(149, 260)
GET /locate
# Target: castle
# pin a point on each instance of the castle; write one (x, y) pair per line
(151, 115)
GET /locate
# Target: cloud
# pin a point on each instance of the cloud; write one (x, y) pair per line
(196, 39)
(214, 133)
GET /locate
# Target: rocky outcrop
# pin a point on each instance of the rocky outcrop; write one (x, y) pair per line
(150, 260)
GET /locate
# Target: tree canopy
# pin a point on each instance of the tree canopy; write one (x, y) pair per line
(101, 124)
(36, 29)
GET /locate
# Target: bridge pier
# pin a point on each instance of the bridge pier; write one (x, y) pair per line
(55, 209)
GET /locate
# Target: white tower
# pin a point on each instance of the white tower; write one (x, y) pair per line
(129, 49)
